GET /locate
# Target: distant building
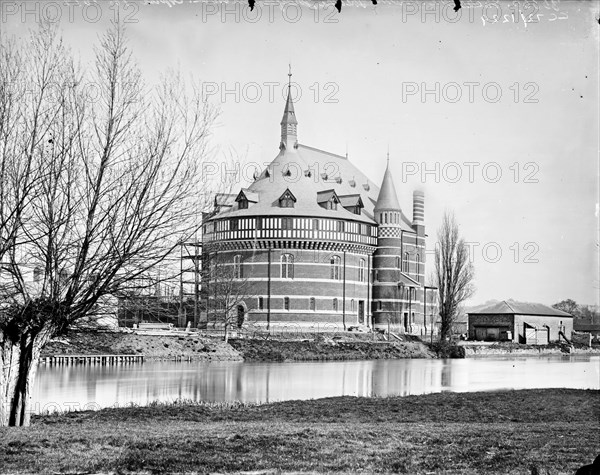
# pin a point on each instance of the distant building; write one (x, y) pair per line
(591, 328)
(318, 244)
(530, 323)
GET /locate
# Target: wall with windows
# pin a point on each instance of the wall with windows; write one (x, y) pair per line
(290, 227)
(303, 285)
(398, 278)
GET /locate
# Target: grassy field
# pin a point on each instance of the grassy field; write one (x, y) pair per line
(554, 431)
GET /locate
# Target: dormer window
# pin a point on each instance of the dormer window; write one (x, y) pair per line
(244, 197)
(352, 203)
(328, 199)
(287, 200)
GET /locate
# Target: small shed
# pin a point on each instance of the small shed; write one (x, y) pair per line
(520, 322)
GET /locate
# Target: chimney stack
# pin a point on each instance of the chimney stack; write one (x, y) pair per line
(418, 208)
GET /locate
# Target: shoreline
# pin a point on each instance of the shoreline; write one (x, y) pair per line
(499, 432)
(194, 346)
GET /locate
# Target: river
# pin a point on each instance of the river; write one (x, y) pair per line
(76, 387)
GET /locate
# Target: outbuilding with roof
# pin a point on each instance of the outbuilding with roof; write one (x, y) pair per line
(520, 322)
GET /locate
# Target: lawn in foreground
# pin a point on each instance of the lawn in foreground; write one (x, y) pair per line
(554, 430)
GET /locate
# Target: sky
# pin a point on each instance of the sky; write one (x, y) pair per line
(494, 117)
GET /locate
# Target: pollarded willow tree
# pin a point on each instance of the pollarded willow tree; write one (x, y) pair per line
(100, 179)
(453, 275)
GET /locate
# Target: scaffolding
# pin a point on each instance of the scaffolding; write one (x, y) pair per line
(190, 282)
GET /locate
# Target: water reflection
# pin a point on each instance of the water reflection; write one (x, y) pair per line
(79, 387)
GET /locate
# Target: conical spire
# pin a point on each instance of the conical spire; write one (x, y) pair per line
(388, 198)
(289, 134)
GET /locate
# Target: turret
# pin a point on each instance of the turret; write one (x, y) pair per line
(387, 294)
(387, 209)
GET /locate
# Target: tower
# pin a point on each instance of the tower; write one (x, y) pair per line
(289, 124)
(387, 259)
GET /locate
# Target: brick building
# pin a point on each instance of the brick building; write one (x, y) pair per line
(530, 323)
(313, 242)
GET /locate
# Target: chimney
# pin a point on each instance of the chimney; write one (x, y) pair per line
(418, 208)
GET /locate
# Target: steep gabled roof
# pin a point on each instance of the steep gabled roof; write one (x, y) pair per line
(351, 200)
(327, 195)
(248, 195)
(287, 194)
(520, 308)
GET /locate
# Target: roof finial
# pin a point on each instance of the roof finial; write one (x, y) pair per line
(388, 155)
(290, 76)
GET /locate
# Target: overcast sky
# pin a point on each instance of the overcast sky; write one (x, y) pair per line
(502, 113)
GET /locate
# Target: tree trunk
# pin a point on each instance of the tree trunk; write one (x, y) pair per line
(19, 361)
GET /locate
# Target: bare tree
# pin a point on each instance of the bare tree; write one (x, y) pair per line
(104, 182)
(453, 273)
(226, 288)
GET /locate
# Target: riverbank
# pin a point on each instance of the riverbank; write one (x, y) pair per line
(192, 346)
(328, 349)
(349, 346)
(169, 347)
(477, 349)
(509, 432)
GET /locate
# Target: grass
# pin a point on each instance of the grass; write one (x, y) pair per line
(554, 430)
(321, 349)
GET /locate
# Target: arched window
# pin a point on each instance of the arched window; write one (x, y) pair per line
(405, 267)
(336, 264)
(237, 267)
(385, 218)
(286, 303)
(287, 266)
(361, 270)
(312, 303)
(398, 262)
(335, 305)
(417, 266)
(261, 303)
(352, 305)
